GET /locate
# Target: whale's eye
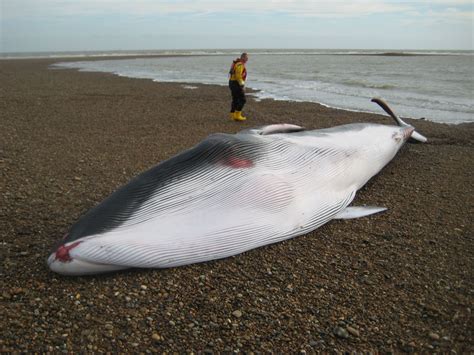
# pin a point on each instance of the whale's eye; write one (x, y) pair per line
(397, 136)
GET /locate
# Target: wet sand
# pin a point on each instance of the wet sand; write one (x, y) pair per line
(397, 281)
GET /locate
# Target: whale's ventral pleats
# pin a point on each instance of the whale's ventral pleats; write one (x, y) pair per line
(229, 194)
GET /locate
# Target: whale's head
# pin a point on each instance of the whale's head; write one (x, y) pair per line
(66, 259)
(363, 149)
(402, 134)
(399, 134)
(381, 142)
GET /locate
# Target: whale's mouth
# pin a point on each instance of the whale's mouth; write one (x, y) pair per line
(62, 262)
(62, 253)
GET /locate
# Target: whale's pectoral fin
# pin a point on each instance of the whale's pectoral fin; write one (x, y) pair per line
(358, 211)
(280, 128)
(415, 136)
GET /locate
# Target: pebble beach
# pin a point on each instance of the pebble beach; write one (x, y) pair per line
(400, 281)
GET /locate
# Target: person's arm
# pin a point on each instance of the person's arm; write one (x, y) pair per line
(239, 68)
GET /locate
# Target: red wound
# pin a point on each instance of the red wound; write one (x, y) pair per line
(238, 163)
(62, 254)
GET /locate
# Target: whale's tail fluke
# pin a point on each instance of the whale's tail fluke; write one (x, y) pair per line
(415, 135)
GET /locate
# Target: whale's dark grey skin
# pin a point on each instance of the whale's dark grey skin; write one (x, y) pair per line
(231, 193)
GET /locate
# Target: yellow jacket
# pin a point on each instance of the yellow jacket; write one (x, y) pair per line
(238, 72)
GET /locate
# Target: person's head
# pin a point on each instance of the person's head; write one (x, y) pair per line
(244, 57)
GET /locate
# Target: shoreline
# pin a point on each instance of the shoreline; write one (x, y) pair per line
(398, 281)
(438, 115)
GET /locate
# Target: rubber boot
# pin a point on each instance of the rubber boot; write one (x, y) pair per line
(238, 116)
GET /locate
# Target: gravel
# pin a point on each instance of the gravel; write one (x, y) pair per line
(398, 281)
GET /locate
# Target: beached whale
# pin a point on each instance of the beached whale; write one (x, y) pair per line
(229, 194)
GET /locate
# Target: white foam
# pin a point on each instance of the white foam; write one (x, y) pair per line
(436, 88)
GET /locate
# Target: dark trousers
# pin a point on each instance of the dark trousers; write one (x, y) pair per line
(238, 96)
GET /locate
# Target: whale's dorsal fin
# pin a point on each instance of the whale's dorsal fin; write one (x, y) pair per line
(274, 128)
(358, 211)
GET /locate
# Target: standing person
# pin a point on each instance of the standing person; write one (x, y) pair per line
(238, 74)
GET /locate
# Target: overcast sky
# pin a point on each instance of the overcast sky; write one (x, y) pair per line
(79, 25)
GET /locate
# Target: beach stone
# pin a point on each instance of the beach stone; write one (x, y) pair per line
(17, 290)
(237, 314)
(353, 331)
(434, 336)
(341, 332)
(156, 337)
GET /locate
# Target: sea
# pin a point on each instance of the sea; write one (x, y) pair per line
(423, 84)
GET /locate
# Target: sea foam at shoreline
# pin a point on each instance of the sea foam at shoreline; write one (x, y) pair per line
(437, 86)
